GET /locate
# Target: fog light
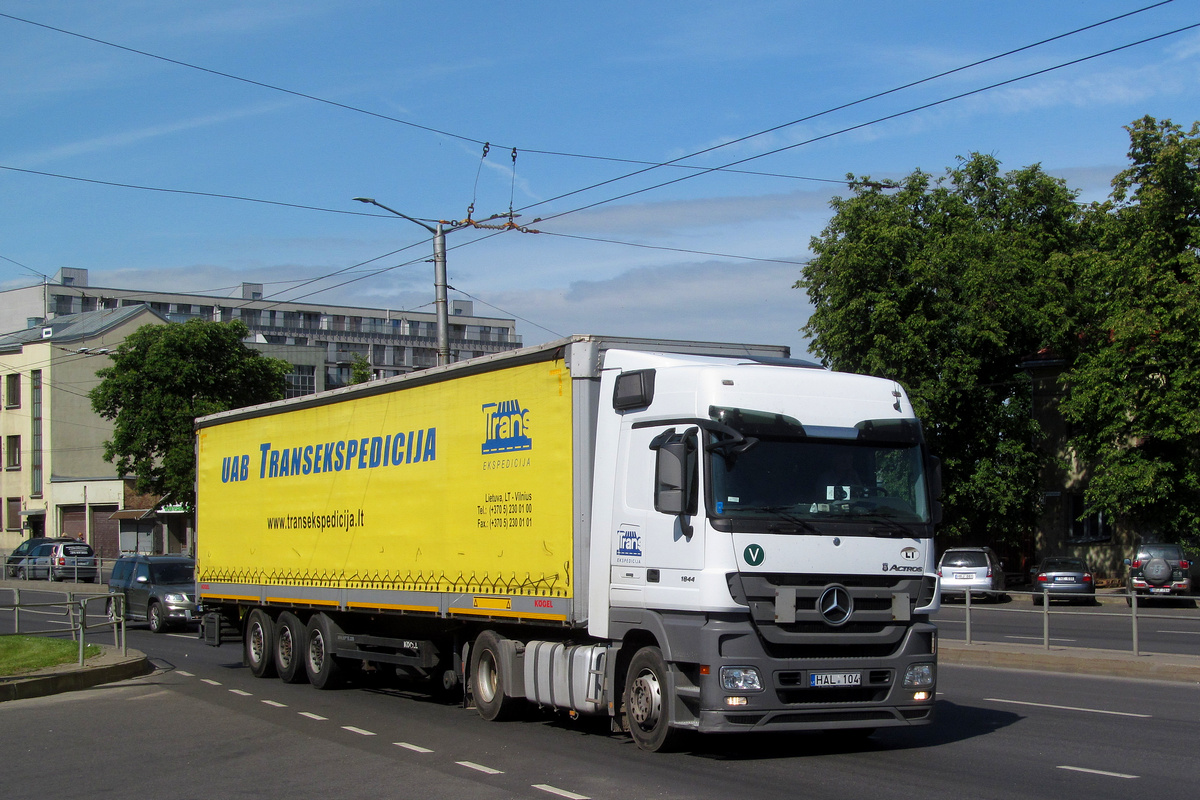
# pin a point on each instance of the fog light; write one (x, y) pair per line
(740, 679)
(918, 675)
(919, 696)
(736, 701)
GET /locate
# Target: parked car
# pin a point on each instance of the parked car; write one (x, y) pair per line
(1063, 578)
(73, 561)
(158, 589)
(977, 570)
(35, 565)
(23, 549)
(1158, 570)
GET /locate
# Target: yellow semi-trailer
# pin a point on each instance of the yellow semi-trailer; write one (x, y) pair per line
(680, 535)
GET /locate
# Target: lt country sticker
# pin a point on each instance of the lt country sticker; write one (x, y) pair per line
(754, 554)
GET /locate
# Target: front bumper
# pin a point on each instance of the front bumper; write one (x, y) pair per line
(788, 701)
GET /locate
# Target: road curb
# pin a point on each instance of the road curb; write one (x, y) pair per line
(110, 666)
(1076, 661)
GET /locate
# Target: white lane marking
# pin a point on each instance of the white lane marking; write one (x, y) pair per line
(1186, 633)
(241, 692)
(184, 674)
(1098, 772)
(181, 635)
(311, 715)
(359, 731)
(1068, 708)
(210, 681)
(545, 787)
(275, 704)
(413, 747)
(479, 767)
(1038, 638)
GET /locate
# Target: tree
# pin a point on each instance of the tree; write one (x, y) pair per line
(947, 285)
(360, 369)
(1132, 392)
(164, 376)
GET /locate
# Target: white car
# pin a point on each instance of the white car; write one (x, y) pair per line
(977, 570)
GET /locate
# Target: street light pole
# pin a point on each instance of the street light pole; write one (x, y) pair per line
(440, 305)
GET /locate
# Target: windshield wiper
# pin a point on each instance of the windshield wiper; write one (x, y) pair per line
(783, 512)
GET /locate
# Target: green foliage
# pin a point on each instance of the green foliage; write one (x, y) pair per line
(1132, 395)
(947, 286)
(19, 654)
(360, 369)
(162, 378)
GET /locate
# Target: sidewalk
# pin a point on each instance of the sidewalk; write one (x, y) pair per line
(1071, 660)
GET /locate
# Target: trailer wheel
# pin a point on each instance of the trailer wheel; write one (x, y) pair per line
(646, 701)
(323, 670)
(488, 679)
(259, 642)
(290, 641)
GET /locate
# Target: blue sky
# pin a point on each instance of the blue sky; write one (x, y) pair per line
(581, 91)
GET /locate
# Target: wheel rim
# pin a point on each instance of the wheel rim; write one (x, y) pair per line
(645, 700)
(316, 652)
(155, 620)
(486, 676)
(257, 642)
(285, 647)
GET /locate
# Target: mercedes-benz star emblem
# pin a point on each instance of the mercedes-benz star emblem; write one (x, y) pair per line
(835, 605)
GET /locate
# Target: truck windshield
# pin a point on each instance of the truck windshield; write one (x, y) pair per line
(868, 473)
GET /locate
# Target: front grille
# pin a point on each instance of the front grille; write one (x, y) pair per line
(871, 631)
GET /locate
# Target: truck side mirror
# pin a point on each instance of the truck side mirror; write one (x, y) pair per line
(676, 489)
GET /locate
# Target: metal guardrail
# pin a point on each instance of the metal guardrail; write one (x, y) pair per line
(1130, 598)
(74, 608)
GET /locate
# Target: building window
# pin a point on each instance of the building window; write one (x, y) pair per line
(301, 380)
(12, 514)
(35, 430)
(12, 390)
(1087, 526)
(12, 452)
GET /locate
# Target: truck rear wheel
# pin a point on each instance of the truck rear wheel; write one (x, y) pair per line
(488, 678)
(322, 668)
(290, 642)
(259, 642)
(647, 701)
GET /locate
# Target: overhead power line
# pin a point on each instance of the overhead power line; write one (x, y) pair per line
(649, 165)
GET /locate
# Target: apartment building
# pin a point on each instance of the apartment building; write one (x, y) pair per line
(392, 342)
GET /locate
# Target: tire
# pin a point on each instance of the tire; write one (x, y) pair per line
(156, 618)
(320, 665)
(50, 576)
(646, 701)
(488, 678)
(1037, 599)
(290, 642)
(258, 644)
(20, 573)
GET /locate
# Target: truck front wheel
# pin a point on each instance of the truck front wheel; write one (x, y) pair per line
(646, 700)
(488, 679)
(259, 642)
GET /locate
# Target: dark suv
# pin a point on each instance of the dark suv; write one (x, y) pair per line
(1159, 570)
(158, 589)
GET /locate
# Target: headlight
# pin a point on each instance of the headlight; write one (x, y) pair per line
(740, 679)
(918, 675)
(176, 598)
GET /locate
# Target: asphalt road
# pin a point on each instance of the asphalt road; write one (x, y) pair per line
(202, 726)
